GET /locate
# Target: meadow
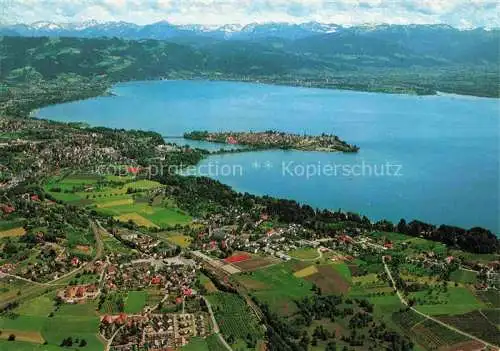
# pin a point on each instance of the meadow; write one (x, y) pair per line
(279, 287)
(455, 300)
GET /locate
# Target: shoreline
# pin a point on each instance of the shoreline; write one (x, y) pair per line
(209, 153)
(111, 93)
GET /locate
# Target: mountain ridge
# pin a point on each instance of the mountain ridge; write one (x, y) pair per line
(165, 30)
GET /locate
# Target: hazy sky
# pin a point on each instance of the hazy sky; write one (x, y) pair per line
(458, 13)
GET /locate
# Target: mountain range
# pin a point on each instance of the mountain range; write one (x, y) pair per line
(418, 44)
(397, 58)
(164, 30)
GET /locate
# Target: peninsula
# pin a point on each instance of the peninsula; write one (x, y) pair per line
(276, 140)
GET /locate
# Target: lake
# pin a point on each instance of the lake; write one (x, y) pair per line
(433, 158)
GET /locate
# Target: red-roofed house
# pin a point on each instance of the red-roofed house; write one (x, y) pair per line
(231, 140)
(107, 319)
(121, 319)
(449, 259)
(34, 198)
(75, 261)
(7, 209)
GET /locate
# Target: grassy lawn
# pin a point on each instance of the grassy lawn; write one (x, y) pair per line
(306, 253)
(456, 300)
(135, 302)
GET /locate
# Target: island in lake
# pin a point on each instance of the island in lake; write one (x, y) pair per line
(276, 140)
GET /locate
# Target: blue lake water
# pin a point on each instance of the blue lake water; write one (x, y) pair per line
(445, 148)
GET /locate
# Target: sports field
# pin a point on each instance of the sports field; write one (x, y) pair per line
(306, 253)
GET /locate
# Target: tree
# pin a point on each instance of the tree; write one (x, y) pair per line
(12, 337)
(83, 343)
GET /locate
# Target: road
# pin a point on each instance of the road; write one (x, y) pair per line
(404, 302)
(216, 326)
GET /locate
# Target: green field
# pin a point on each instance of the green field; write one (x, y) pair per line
(63, 324)
(456, 300)
(279, 287)
(463, 276)
(135, 302)
(60, 327)
(39, 306)
(27, 346)
(118, 196)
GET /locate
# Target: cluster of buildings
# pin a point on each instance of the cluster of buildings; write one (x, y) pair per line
(78, 293)
(173, 279)
(153, 331)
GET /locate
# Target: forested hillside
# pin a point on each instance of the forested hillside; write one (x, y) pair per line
(33, 67)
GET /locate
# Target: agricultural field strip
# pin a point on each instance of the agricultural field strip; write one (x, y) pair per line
(404, 302)
(214, 323)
